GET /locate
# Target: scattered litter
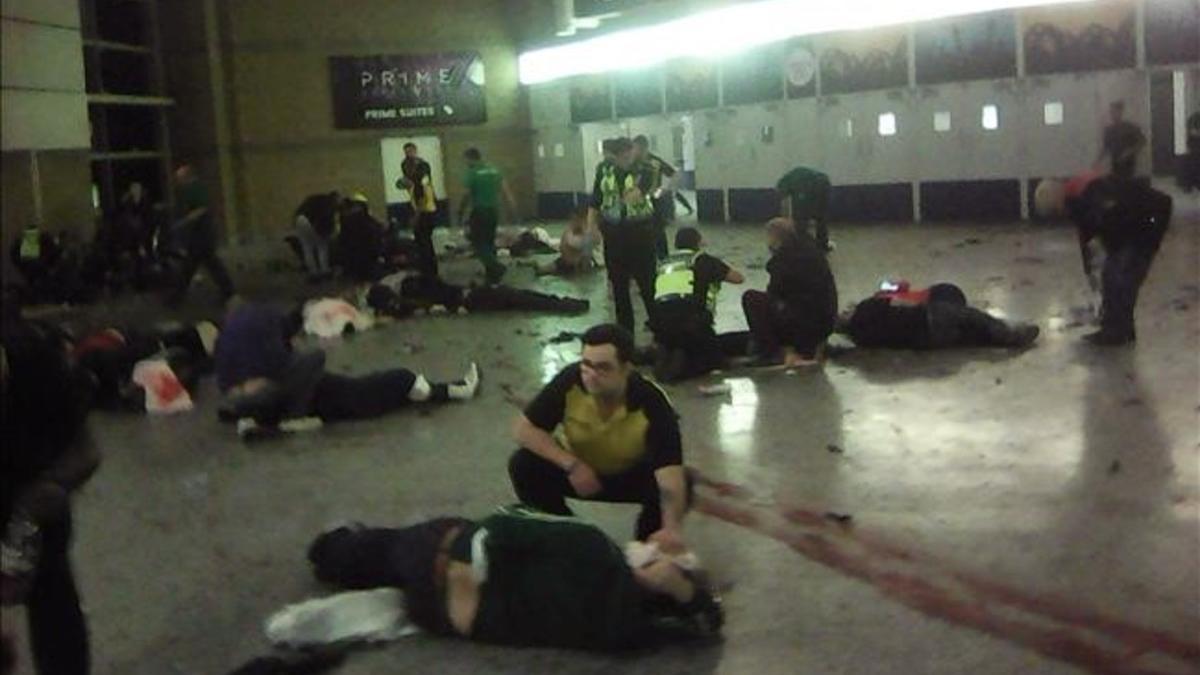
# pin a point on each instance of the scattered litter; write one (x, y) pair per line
(999, 381)
(1115, 467)
(1030, 259)
(996, 279)
(565, 336)
(1180, 306)
(719, 389)
(1131, 402)
(839, 518)
(835, 449)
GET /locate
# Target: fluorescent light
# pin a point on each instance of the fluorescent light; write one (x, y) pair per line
(887, 124)
(990, 119)
(734, 29)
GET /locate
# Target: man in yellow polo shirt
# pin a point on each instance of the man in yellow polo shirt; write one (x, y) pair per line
(600, 431)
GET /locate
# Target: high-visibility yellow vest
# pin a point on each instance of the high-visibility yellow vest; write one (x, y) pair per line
(613, 205)
(31, 244)
(677, 279)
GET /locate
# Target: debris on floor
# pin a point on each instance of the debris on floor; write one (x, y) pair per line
(719, 389)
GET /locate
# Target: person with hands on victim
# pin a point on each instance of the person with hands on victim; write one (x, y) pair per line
(600, 431)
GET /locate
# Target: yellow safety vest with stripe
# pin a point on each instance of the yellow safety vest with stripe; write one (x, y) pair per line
(613, 205)
(31, 244)
(677, 279)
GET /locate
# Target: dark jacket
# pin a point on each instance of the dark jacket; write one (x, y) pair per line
(801, 280)
(321, 211)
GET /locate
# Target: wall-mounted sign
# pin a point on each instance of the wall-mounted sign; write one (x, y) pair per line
(407, 90)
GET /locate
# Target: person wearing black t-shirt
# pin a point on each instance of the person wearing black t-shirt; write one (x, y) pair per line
(934, 318)
(685, 305)
(1122, 142)
(602, 432)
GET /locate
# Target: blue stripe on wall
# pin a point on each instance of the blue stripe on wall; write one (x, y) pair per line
(752, 205)
(971, 200)
(556, 205)
(710, 206)
(871, 203)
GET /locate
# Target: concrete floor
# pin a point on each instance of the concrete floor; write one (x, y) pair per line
(1011, 513)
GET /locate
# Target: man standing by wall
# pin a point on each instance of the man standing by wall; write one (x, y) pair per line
(1122, 142)
(480, 210)
(196, 234)
(417, 177)
(621, 204)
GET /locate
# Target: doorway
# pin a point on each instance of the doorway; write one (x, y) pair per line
(399, 206)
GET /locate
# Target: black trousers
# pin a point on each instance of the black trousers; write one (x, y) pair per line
(304, 388)
(340, 397)
(483, 224)
(206, 257)
(680, 324)
(545, 486)
(775, 325)
(423, 224)
(57, 631)
(361, 557)
(629, 255)
(664, 208)
(507, 298)
(954, 325)
(1121, 280)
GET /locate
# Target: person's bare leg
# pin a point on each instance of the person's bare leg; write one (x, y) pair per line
(794, 359)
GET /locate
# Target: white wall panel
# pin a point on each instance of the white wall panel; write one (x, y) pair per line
(36, 56)
(55, 12)
(37, 120)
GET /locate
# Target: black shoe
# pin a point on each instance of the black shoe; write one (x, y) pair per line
(1024, 336)
(494, 276)
(1102, 338)
(306, 662)
(704, 614)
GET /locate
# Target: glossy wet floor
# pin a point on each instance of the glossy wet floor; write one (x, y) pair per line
(1011, 513)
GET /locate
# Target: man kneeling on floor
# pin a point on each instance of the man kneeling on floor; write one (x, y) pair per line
(685, 306)
(522, 578)
(268, 387)
(933, 318)
(618, 441)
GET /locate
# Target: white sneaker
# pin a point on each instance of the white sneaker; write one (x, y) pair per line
(376, 615)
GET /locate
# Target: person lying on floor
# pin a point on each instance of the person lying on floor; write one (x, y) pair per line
(521, 577)
(937, 317)
(685, 306)
(109, 356)
(400, 296)
(269, 387)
